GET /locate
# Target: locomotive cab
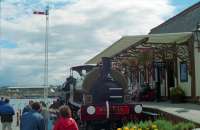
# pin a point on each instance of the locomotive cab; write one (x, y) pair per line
(73, 84)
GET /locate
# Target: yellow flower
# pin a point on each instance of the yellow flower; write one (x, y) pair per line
(126, 128)
(139, 128)
(154, 126)
(132, 128)
(119, 128)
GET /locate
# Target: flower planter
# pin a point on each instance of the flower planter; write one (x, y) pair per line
(177, 99)
(177, 95)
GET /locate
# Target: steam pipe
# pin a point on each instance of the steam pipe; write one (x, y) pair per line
(106, 67)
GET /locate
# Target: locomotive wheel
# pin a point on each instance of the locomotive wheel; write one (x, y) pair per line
(90, 127)
(106, 126)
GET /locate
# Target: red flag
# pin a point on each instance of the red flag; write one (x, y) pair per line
(40, 13)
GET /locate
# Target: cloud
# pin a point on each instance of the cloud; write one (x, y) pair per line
(79, 29)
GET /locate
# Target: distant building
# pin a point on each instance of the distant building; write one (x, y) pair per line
(26, 92)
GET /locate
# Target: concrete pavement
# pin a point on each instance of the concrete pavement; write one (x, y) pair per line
(187, 111)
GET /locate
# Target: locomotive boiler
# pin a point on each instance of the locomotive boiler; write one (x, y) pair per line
(101, 100)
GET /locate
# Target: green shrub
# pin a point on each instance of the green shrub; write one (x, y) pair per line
(159, 124)
(163, 125)
(140, 124)
(184, 126)
(177, 95)
(177, 92)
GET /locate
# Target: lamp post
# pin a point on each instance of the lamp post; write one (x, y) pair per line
(196, 33)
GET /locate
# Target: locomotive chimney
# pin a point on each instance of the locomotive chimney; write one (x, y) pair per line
(106, 67)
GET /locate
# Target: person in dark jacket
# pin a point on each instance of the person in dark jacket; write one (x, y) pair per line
(6, 113)
(33, 120)
(54, 110)
(44, 113)
(27, 108)
(65, 121)
(2, 101)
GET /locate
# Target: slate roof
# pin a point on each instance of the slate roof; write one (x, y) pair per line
(185, 21)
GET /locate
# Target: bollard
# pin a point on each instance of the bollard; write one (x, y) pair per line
(17, 118)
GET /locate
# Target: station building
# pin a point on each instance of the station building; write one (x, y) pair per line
(170, 54)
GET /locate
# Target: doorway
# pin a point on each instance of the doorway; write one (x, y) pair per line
(170, 75)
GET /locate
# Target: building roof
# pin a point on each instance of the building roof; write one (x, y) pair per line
(129, 41)
(115, 48)
(169, 38)
(83, 67)
(191, 21)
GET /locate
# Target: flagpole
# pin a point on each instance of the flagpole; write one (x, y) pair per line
(0, 30)
(46, 80)
(46, 84)
(46, 55)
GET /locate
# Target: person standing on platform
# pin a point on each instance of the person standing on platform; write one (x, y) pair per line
(28, 108)
(33, 120)
(6, 113)
(45, 114)
(65, 121)
(2, 101)
(54, 110)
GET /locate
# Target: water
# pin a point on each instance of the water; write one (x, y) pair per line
(19, 104)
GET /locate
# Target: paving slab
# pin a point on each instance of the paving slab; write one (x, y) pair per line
(187, 111)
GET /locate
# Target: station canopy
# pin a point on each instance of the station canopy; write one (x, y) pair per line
(127, 42)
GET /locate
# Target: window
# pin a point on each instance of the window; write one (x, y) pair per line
(183, 72)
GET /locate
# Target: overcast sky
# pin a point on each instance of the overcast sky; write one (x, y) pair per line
(79, 29)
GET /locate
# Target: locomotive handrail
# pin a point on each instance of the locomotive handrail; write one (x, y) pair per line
(107, 110)
(115, 88)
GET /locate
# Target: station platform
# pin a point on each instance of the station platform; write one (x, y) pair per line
(187, 111)
(14, 124)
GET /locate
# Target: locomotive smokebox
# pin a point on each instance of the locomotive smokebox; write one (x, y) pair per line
(106, 67)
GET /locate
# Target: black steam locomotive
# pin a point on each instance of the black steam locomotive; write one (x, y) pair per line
(100, 97)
